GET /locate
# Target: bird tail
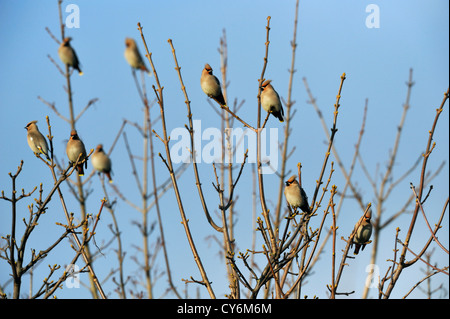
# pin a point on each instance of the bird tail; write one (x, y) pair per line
(42, 152)
(278, 116)
(144, 68)
(221, 101)
(80, 170)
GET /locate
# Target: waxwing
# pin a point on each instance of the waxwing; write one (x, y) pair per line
(295, 195)
(363, 233)
(133, 56)
(36, 140)
(101, 162)
(211, 85)
(68, 56)
(270, 101)
(74, 148)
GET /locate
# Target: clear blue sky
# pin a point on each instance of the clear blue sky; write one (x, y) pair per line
(332, 38)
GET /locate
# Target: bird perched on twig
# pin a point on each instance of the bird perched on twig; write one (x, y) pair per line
(101, 162)
(363, 233)
(270, 101)
(74, 148)
(295, 195)
(211, 86)
(68, 56)
(36, 140)
(133, 56)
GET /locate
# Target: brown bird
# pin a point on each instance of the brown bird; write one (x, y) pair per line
(74, 148)
(295, 195)
(211, 85)
(68, 56)
(133, 56)
(363, 232)
(101, 162)
(36, 140)
(270, 101)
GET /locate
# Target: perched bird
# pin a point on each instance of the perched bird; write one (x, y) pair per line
(101, 162)
(363, 232)
(36, 140)
(133, 56)
(74, 148)
(211, 85)
(270, 101)
(68, 56)
(295, 195)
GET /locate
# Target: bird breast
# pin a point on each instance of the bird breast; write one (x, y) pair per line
(101, 162)
(293, 196)
(74, 151)
(66, 55)
(210, 85)
(363, 234)
(132, 58)
(270, 101)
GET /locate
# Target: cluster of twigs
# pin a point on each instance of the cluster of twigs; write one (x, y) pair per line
(14, 251)
(279, 248)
